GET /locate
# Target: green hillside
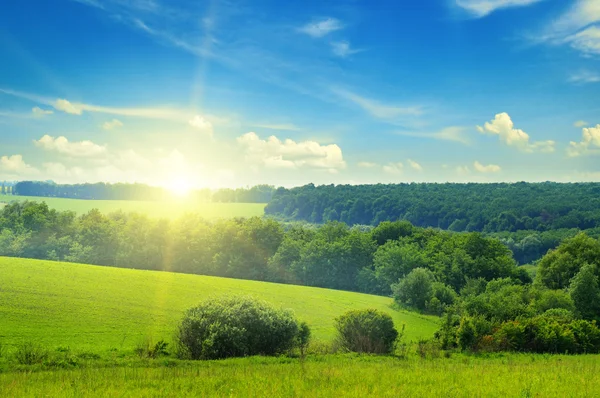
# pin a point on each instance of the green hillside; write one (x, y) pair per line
(173, 209)
(91, 307)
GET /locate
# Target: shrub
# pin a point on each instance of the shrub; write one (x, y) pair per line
(30, 353)
(466, 334)
(235, 327)
(366, 331)
(549, 334)
(303, 337)
(147, 349)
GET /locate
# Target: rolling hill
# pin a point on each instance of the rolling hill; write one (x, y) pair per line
(91, 307)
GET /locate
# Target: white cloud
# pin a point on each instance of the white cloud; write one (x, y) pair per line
(39, 112)
(201, 124)
(15, 166)
(322, 27)
(503, 127)
(414, 165)
(112, 124)
(63, 146)
(275, 153)
(590, 143)
(343, 49)
(481, 8)
(377, 109)
(580, 123)
(67, 107)
(490, 168)
(584, 76)
(367, 165)
(393, 168)
(576, 27)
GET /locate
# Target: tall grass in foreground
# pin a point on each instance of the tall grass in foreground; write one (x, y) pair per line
(511, 375)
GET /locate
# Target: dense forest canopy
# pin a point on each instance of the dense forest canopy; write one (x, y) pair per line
(121, 191)
(457, 207)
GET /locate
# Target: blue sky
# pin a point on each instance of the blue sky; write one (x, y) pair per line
(233, 93)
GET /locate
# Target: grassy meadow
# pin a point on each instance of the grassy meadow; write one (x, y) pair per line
(171, 209)
(511, 375)
(86, 307)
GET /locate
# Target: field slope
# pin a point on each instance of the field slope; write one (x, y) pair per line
(173, 209)
(100, 308)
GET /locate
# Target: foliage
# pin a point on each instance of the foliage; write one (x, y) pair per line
(236, 326)
(367, 331)
(559, 266)
(460, 207)
(415, 289)
(30, 353)
(585, 292)
(147, 349)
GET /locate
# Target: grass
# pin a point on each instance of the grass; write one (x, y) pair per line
(173, 209)
(511, 375)
(96, 308)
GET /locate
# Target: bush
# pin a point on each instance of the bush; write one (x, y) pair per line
(366, 331)
(30, 353)
(147, 349)
(236, 327)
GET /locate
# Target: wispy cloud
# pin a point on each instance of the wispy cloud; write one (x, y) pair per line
(481, 8)
(580, 123)
(577, 27)
(39, 112)
(62, 145)
(414, 165)
(376, 108)
(78, 108)
(276, 126)
(584, 76)
(112, 124)
(367, 165)
(322, 27)
(453, 133)
(343, 49)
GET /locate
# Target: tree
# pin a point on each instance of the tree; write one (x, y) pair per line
(585, 292)
(415, 289)
(558, 267)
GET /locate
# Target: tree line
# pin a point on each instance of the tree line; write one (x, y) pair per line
(122, 191)
(332, 255)
(456, 207)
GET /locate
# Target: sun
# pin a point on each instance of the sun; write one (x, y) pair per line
(180, 187)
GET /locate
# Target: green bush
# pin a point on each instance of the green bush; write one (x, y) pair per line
(366, 331)
(548, 334)
(235, 327)
(30, 353)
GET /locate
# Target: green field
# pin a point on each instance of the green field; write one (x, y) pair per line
(512, 375)
(99, 308)
(173, 209)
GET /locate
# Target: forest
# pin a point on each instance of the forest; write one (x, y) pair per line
(457, 207)
(123, 191)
